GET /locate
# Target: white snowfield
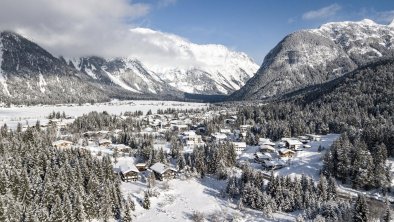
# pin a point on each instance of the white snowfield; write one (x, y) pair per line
(182, 197)
(30, 114)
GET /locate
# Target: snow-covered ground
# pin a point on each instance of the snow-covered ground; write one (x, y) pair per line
(178, 199)
(30, 114)
(309, 161)
(306, 162)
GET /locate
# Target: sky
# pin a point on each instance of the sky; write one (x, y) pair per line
(82, 27)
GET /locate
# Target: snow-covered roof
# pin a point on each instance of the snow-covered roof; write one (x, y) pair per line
(291, 141)
(267, 147)
(102, 141)
(219, 135)
(61, 142)
(161, 168)
(125, 166)
(285, 150)
(240, 144)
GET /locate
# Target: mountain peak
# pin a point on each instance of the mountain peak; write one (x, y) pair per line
(367, 22)
(391, 24)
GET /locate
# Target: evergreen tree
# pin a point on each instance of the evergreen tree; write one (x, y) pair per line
(361, 211)
(146, 203)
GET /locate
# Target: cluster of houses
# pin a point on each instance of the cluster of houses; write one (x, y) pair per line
(130, 172)
(274, 155)
(191, 132)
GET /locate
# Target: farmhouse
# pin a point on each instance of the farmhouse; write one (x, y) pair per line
(163, 172)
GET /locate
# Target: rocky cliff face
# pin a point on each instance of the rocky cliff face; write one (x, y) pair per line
(314, 56)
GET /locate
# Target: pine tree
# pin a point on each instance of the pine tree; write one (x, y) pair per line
(181, 163)
(146, 203)
(127, 214)
(361, 211)
(78, 209)
(57, 214)
(387, 213)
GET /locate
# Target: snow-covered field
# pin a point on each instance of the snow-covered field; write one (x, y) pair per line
(180, 198)
(30, 114)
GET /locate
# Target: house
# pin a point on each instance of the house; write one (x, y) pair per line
(163, 172)
(141, 166)
(239, 146)
(273, 164)
(266, 141)
(219, 137)
(292, 144)
(127, 171)
(104, 143)
(314, 137)
(62, 144)
(267, 148)
(260, 157)
(284, 152)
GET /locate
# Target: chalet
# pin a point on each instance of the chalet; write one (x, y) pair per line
(104, 143)
(286, 152)
(260, 157)
(127, 172)
(273, 164)
(314, 137)
(266, 141)
(267, 148)
(239, 146)
(62, 144)
(292, 144)
(163, 172)
(141, 166)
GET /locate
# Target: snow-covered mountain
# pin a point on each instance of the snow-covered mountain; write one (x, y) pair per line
(30, 74)
(172, 63)
(313, 56)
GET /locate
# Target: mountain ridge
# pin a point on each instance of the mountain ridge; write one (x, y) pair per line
(313, 56)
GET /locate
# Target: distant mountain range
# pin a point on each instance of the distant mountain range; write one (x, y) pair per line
(314, 56)
(30, 74)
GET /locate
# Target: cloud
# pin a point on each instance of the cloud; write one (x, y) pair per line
(74, 27)
(322, 13)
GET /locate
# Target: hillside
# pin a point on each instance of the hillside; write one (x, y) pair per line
(314, 56)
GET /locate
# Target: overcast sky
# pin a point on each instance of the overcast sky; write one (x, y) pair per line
(102, 27)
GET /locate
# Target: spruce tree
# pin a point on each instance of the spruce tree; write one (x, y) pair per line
(361, 211)
(146, 203)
